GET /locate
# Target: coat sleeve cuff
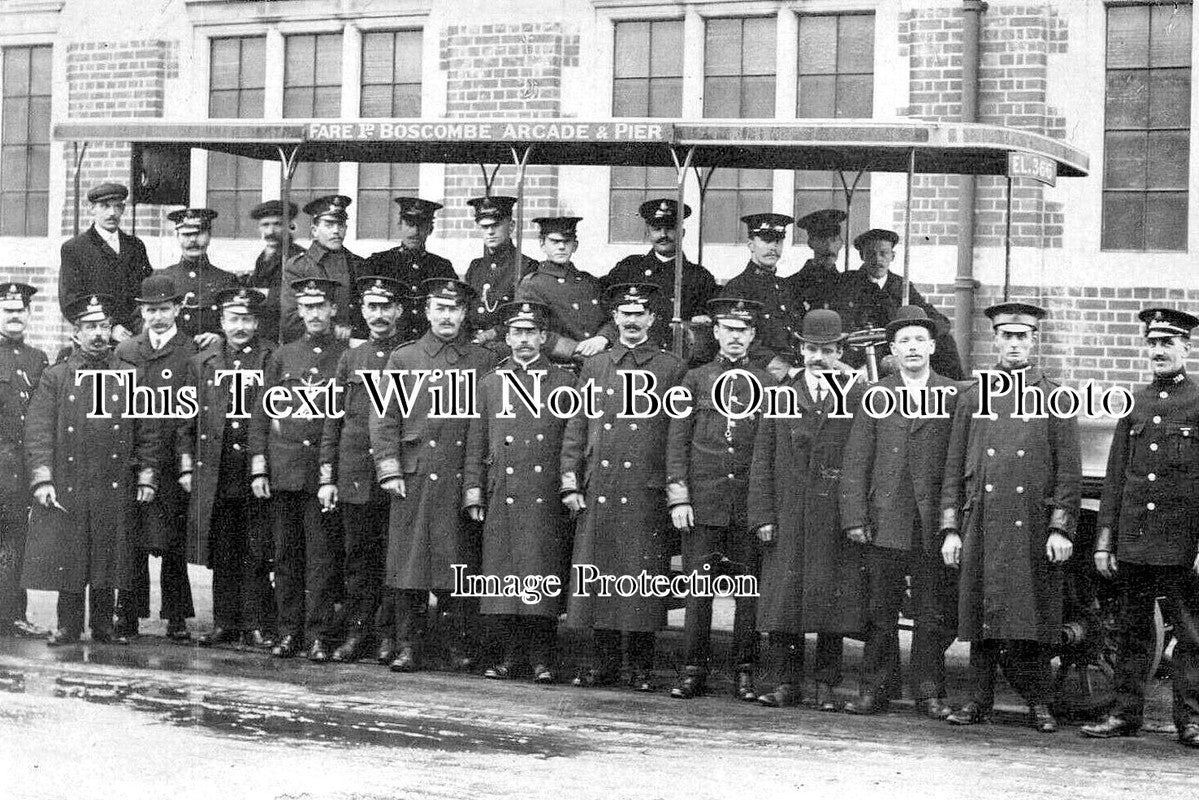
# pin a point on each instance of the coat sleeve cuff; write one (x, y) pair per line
(147, 477)
(677, 494)
(185, 464)
(472, 497)
(39, 476)
(258, 466)
(570, 483)
(387, 469)
(1062, 520)
(950, 520)
(326, 475)
(1105, 541)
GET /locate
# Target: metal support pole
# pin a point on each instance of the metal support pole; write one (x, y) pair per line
(907, 228)
(288, 162)
(1007, 244)
(849, 193)
(676, 322)
(79, 154)
(488, 180)
(703, 179)
(963, 282)
(521, 160)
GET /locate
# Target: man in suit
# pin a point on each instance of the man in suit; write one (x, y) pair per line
(327, 259)
(890, 502)
(1009, 510)
(197, 279)
(267, 276)
(158, 355)
(21, 368)
(491, 273)
(105, 260)
(1149, 516)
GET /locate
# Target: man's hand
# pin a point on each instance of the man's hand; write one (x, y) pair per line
(261, 487)
(1105, 564)
(120, 333)
(574, 502)
(858, 535)
(778, 368)
(475, 513)
(683, 517)
(185, 482)
(951, 549)
(394, 486)
(326, 495)
(1058, 548)
(765, 534)
(46, 496)
(205, 340)
(145, 494)
(484, 336)
(342, 332)
(589, 347)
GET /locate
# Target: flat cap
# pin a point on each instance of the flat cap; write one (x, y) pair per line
(107, 191)
(825, 222)
(274, 208)
(875, 235)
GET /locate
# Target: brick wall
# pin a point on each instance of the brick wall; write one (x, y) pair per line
(504, 70)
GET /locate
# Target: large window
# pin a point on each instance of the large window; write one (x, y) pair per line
(835, 79)
(312, 88)
(237, 77)
(648, 82)
(739, 81)
(25, 142)
(391, 71)
(1146, 150)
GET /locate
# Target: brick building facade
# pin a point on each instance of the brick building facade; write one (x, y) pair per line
(1112, 78)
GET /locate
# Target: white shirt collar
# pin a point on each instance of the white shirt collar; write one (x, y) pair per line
(662, 258)
(157, 341)
(913, 384)
(815, 382)
(113, 239)
(880, 282)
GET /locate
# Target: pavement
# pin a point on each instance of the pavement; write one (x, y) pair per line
(157, 719)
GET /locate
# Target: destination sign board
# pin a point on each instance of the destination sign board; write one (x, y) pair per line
(400, 130)
(1027, 165)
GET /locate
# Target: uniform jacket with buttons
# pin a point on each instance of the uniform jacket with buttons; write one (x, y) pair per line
(698, 288)
(778, 318)
(427, 532)
(814, 286)
(318, 261)
(21, 367)
(575, 299)
(288, 449)
(346, 457)
(708, 454)
(1151, 492)
(491, 277)
(89, 266)
(199, 281)
(94, 465)
(268, 277)
(212, 445)
(411, 269)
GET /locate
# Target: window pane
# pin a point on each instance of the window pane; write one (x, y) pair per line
(817, 45)
(855, 43)
(1169, 151)
(250, 104)
(405, 101)
(757, 97)
(722, 47)
(628, 177)
(253, 62)
(236, 91)
(328, 59)
(1127, 99)
(1166, 221)
(855, 95)
(377, 58)
(374, 213)
(1170, 36)
(817, 96)
(665, 97)
(13, 167)
(16, 71)
(722, 97)
(222, 171)
(373, 176)
(755, 179)
(38, 175)
(408, 55)
(666, 54)
(222, 104)
(376, 101)
(298, 60)
(1123, 221)
(1128, 36)
(327, 101)
(632, 50)
(630, 98)
(624, 224)
(15, 110)
(12, 214)
(37, 213)
(1169, 98)
(758, 46)
(721, 222)
(297, 103)
(41, 71)
(225, 62)
(1124, 160)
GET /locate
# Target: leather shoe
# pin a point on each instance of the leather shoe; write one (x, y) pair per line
(826, 698)
(387, 651)
(128, 626)
(745, 691)
(405, 660)
(1189, 736)
(319, 652)
(783, 695)
(257, 639)
(642, 682)
(219, 636)
(109, 637)
(543, 674)
(590, 678)
(1110, 728)
(287, 647)
(969, 714)
(934, 708)
(348, 652)
(1042, 718)
(692, 685)
(62, 638)
(868, 703)
(177, 631)
(23, 629)
(499, 672)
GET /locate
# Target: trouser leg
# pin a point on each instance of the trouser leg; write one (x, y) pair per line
(746, 641)
(984, 661)
(605, 651)
(934, 607)
(541, 634)
(365, 528)
(324, 549)
(411, 617)
(290, 561)
(1181, 607)
(100, 605)
(829, 649)
(258, 595)
(70, 613)
(700, 548)
(1026, 665)
(1135, 639)
(227, 542)
(14, 526)
(785, 656)
(885, 572)
(640, 647)
(175, 584)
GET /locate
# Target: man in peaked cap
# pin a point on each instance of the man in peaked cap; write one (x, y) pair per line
(159, 356)
(419, 461)
(815, 284)
(491, 274)
(708, 454)
(410, 263)
(196, 278)
(105, 259)
(21, 367)
(84, 471)
(811, 573)
(267, 276)
(890, 492)
(1009, 526)
(869, 297)
(285, 468)
(347, 474)
(510, 485)
(622, 524)
(231, 529)
(657, 266)
(572, 295)
(326, 258)
(759, 281)
(1149, 516)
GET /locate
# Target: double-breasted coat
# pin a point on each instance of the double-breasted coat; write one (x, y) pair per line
(1008, 483)
(90, 266)
(411, 268)
(812, 577)
(511, 470)
(21, 367)
(214, 445)
(95, 465)
(778, 319)
(575, 299)
(619, 464)
(199, 281)
(318, 261)
(427, 532)
(491, 276)
(698, 288)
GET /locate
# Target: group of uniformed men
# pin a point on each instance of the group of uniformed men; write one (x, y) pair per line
(362, 517)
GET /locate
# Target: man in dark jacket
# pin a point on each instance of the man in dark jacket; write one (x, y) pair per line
(197, 279)
(105, 260)
(890, 502)
(708, 454)
(774, 343)
(267, 276)
(158, 355)
(815, 284)
(327, 259)
(491, 274)
(1009, 509)
(229, 528)
(1149, 516)
(21, 367)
